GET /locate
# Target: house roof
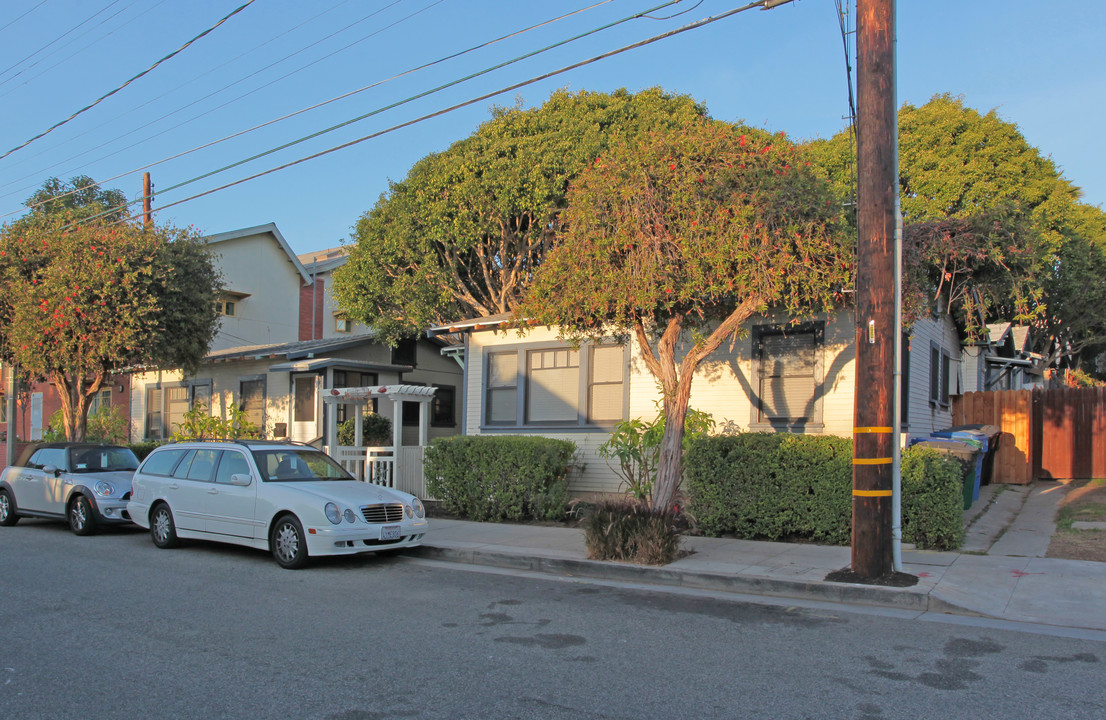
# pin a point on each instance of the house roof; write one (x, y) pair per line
(271, 229)
(289, 350)
(1021, 338)
(998, 331)
(323, 261)
(501, 321)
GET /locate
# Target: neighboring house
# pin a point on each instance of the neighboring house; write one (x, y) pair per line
(1004, 360)
(279, 349)
(779, 377)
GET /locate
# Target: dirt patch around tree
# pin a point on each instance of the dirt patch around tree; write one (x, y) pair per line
(1084, 502)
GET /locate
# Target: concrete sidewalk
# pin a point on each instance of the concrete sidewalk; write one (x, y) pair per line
(1000, 573)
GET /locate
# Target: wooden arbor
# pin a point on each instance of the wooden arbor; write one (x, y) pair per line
(378, 464)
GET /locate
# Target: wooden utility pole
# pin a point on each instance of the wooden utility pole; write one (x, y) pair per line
(877, 186)
(147, 201)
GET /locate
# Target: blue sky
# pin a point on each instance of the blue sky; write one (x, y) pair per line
(1039, 65)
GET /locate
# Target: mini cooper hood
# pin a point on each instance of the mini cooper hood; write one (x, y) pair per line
(353, 493)
(120, 479)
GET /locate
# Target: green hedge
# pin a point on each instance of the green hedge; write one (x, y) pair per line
(933, 498)
(779, 485)
(497, 478)
(142, 449)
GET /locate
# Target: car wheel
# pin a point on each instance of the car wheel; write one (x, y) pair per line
(8, 516)
(162, 528)
(288, 543)
(81, 519)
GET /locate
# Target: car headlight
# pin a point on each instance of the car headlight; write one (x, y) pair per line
(333, 514)
(349, 516)
(420, 511)
(103, 489)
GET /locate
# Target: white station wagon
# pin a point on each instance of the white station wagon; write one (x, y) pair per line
(290, 499)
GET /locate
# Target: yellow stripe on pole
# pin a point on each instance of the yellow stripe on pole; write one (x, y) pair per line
(873, 430)
(871, 493)
(871, 461)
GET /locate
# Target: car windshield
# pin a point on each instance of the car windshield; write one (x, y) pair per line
(102, 459)
(298, 465)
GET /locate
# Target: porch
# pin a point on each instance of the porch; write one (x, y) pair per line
(395, 466)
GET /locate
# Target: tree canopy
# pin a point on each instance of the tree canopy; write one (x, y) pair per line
(980, 198)
(80, 301)
(462, 234)
(678, 238)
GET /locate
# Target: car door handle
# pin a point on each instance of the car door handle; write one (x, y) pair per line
(28, 478)
(173, 486)
(213, 491)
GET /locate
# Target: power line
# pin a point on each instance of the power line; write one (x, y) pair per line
(13, 22)
(481, 98)
(57, 39)
(80, 50)
(376, 84)
(128, 82)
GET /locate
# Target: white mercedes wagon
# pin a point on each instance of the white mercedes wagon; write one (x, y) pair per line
(290, 499)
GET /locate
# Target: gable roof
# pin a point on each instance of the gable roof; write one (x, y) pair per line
(323, 261)
(272, 230)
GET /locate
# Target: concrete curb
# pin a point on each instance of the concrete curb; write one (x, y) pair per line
(909, 599)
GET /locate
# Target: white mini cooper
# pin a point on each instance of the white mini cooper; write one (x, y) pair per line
(290, 499)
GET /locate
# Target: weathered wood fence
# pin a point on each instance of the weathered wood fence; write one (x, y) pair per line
(1055, 433)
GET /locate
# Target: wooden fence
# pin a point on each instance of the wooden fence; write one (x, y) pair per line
(1055, 433)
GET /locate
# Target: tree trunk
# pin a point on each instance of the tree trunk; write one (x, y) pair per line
(74, 402)
(670, 466)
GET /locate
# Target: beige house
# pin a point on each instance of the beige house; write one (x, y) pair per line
(280, 348)
(779, 377)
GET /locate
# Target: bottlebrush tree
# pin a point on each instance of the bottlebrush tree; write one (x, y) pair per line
(678, 239)
(80, 302)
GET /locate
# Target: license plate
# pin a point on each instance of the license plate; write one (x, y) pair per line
(389, 532)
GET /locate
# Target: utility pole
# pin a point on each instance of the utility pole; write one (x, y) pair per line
(877, 190)
(147, 201)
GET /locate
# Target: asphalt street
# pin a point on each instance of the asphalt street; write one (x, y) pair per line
(111, 627)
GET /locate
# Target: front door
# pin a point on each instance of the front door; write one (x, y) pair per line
(304, 408)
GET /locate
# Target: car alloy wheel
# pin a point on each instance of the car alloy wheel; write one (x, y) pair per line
(288, 543)
(162, 529)
(80, 516)
(7, 511)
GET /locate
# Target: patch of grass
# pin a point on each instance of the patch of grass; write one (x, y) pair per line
(1085, 501)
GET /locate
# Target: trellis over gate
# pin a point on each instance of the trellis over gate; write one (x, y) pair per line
(1047, 434)
(394, 466)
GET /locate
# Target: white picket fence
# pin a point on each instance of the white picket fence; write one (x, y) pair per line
(383, 466)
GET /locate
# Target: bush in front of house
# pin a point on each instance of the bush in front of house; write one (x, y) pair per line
(375, 430)
(631, 531)
(142, 449)
(777, 485)
(771, 486)
(932, 498)
(492, 478)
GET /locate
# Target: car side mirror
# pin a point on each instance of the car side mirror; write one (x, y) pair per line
(241, 479)
(51, 470)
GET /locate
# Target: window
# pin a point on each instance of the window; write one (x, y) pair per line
(404, 352)
(100, 400)
(939, 368)
(560, 386)
(252, 394)
(225, 307)
(502, 383)
(154, 430)
(788, 366)
(3, 408)
(232, 463)
(350, 378)
(442, 412)
(162, 462)
(343, 325)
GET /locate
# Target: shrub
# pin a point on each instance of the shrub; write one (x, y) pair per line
(496, 478)
(771, 485)
(199, 424)
(637, 445)
(778, 485)
(631, 531)
(106, 425)
(142, 449)
(933, 498)
(375, 430)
